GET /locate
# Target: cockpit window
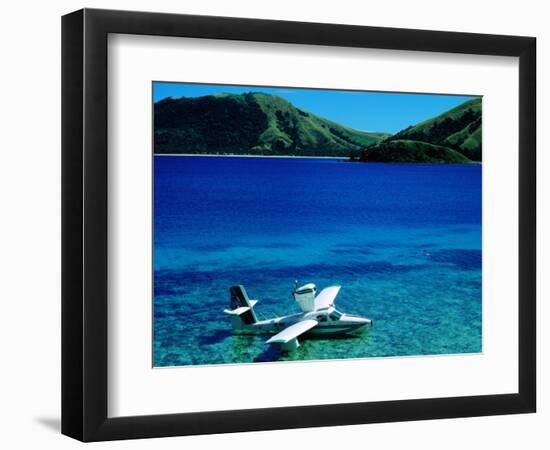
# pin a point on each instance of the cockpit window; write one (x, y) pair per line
(322, 318)
(335, 315)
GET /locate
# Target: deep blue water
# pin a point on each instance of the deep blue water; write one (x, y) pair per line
(404, 241)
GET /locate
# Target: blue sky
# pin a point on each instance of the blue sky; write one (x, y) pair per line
(368, 111)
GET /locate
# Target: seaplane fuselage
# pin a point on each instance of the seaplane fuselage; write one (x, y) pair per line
(333, 322)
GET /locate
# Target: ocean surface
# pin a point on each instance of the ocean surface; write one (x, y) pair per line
(403, 241)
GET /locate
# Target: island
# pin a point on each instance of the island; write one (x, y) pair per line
(262, 124)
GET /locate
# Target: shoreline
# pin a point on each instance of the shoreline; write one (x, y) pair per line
(340, 158)
(250, 156)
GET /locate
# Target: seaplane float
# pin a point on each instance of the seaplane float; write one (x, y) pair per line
(318, 316)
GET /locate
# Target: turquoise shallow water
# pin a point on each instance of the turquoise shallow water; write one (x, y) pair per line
(404, 241)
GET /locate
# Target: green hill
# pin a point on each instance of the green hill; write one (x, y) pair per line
(252, 123)
(412, 151)
(455, 131)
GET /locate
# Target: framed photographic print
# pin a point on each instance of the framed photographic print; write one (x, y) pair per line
(273, 224)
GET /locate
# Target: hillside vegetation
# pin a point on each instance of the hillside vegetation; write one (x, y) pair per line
(412, 151)
(252, 123)
(257, 123)
(456, 134)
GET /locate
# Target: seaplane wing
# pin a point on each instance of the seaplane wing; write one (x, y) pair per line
(326, 297)
(292, 332)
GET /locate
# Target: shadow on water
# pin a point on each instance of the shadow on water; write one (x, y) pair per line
(333, 337)
(274, 353)
(215, 337)
(270, 354)
(243, 347)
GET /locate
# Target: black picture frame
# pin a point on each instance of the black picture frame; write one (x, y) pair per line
(84, 224)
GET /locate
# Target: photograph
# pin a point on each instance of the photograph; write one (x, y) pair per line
(306, 224)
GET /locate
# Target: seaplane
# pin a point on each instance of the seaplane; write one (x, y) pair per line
(318, 316)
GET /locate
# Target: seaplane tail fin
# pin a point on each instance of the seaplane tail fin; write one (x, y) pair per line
(242, 307)
(288, 338)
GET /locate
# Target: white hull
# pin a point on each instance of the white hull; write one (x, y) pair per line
(346, 325)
